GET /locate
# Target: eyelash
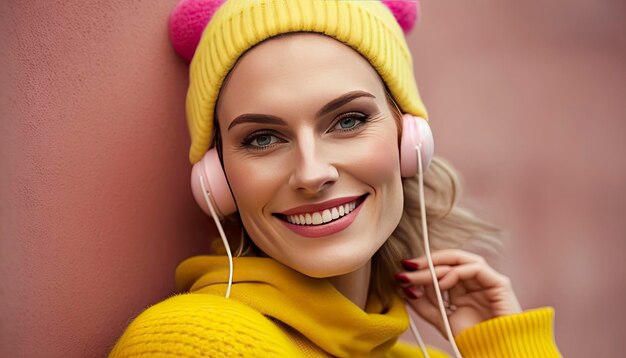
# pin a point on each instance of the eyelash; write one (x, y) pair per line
(363, 118)
(247, 142)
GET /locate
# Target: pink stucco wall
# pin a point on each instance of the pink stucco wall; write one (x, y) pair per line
(526, 99)
(95, 209)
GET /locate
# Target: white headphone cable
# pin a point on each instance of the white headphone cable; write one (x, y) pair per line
(417, 336)
(426, 249)
(431, 267)
(222, 235)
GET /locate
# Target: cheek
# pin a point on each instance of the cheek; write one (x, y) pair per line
(377, 161)
(379, 167)
(253, 182)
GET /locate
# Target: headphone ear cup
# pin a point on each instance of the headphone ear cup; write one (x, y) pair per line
(415, 132)
(210, 169)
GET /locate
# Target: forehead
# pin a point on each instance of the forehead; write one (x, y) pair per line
(302, 69)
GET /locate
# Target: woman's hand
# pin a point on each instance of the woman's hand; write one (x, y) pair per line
(475, 291)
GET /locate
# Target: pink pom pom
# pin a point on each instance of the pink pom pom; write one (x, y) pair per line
(187, 22)
(406, 12)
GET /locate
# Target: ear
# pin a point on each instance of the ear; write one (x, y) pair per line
(415, 133)
(212, 173)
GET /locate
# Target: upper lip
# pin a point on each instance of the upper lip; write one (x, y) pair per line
(320, 206)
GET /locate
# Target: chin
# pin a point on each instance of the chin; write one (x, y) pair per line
(339, 263)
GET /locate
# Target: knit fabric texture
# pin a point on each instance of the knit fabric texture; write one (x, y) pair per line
(368, 27)
(275, 311)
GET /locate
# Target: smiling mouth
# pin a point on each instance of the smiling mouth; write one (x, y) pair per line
(326, 216)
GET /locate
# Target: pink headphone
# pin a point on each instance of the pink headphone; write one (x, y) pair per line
(415, 133)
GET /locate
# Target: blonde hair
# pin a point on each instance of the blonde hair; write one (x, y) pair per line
(449, 226)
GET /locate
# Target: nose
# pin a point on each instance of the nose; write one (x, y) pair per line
(313, 170)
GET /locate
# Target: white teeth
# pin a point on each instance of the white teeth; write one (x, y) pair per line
(324, 216)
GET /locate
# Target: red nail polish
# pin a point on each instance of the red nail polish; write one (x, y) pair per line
(410, 293)
(410, 265)
(401, 278)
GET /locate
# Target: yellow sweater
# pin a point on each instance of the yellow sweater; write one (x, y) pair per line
(275, 311)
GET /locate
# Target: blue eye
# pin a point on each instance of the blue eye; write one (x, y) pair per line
(346, 123)
(350, 121)
(261, 141)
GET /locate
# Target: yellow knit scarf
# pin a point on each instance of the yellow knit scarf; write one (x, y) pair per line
(312, 306)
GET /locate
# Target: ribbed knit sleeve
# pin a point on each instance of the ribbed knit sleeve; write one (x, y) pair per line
(198, 325)
(523, 335)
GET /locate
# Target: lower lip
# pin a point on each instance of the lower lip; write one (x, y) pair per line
(325, 229)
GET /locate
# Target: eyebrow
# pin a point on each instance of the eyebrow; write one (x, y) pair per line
(328, 107)
(256, 118)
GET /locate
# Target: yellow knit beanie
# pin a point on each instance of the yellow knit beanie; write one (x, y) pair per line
(369, 27)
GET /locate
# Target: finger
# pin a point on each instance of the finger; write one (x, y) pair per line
(458, 294)
(447, 257)
(423, 277)
(430, 294)
(427, 311)
(449, 305)
(479, 273)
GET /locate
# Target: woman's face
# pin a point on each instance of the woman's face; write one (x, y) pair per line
(310, 151)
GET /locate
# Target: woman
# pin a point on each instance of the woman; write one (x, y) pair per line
(307, 103)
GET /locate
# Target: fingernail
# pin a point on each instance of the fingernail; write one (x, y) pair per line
(410, 265)
(400, 277)
(411, 293)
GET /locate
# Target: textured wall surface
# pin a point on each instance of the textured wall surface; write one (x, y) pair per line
(526, 100)
(95, 209)
(96, 206)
